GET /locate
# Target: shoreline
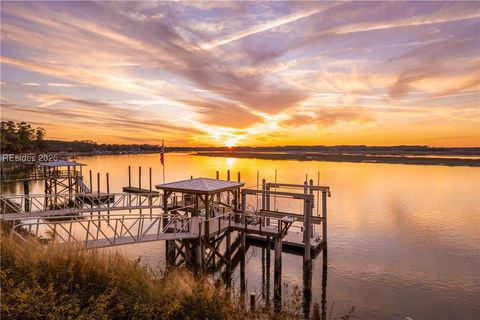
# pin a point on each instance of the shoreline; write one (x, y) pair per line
(452, 162)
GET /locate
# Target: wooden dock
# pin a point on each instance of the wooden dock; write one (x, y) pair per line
(292, 243)
(145, 192)
(95, 199)
(198, 220)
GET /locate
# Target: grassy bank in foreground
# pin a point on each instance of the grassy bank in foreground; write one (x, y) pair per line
(418, 160)
(52, 283)
(49, 282)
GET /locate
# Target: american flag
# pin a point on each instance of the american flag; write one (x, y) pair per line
(162, 154)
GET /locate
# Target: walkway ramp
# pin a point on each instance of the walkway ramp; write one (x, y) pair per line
(83, 186)
(42, 206)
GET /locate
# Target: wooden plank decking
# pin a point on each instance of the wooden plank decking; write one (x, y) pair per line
(136, 190)
(111, 242)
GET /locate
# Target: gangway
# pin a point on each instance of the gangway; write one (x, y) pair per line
(47, 205)
(82, 186)
(121, 229)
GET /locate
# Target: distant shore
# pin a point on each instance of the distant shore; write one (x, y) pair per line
(365, 158)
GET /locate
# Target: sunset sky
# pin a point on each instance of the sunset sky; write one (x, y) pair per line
(244, 73)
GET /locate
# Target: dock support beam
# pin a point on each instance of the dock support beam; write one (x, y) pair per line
(243, 239)
(229, 258)
(307, 288)
(277, 292)
(129, 176)
(324, 216)
(263, 194)
(307, 211)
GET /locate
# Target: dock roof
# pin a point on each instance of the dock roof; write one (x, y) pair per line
(200, 186)
(61, 163)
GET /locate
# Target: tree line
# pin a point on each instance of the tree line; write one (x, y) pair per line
(21, 137)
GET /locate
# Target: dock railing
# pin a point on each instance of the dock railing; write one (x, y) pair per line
(105, 230)
(64, 204)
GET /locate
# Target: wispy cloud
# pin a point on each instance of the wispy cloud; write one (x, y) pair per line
(58, 84)
(269, 25)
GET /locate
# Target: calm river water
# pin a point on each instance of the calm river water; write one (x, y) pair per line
(404, 240)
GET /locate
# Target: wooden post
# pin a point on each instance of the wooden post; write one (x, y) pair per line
(243, 247)
(150, 178)
(313, 206)
(55, 182)
(307, 289)
(91, 190)
(70, 188)
(98, 196)
(77, 176)
(229, 253)
(267, 274)
(267, 197)
(238, 178)
(324, 216)
(324, 284)
(46, 180)
(277, 291)
(198, 255)
(171, 251)
(307, 211)
(90, 176)
(252, 301)
(98, 182)
(108, 200)
(218, 175)
(139, 177)
(207, 216)
(305, 191)
(129, 176)
(228, 175)
(150, 197)
(204, 256)
(188, 254)
(263, 194)
(108, 183)
(26, 191)
(198, 248)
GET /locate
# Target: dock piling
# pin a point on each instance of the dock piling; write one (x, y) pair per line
(140, 177)
(150, 178)
(108, 192)
(129, 176)
(277, 294)
(90, 181)
(252, 301)
(306, 230)
(324, 216)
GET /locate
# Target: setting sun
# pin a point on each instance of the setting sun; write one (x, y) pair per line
(231, 142)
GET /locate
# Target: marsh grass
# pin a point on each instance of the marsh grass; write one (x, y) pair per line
(53, 282)
(50, 282)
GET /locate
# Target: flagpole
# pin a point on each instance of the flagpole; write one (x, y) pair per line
(163, 160)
